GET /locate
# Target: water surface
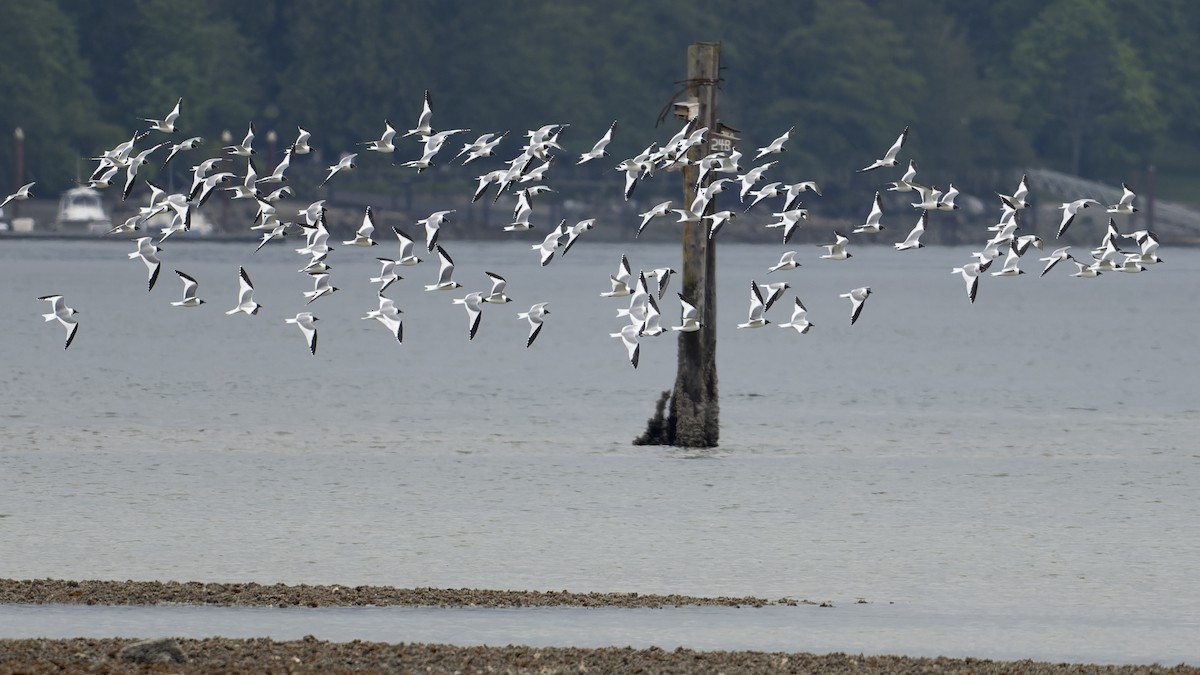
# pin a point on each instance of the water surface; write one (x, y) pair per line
(1033, 452)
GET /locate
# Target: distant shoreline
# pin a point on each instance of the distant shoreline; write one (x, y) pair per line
(312, 655)
(95, 592)
(309, 655)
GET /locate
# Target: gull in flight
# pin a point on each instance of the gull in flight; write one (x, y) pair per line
(792, 192)
(600, 149)
(629, 338)
(1011, 262)
(751, 177)
(484, 146)
(535, 316)
(889, 158)
(1024, 241)
(248, 189)
(858, 297)
(301, 147)
(1070, 210)
(131, 169)
(620, 280)
(321, 287)
(445, 280)
(1084, 271)
(689, 318)
(946, 202)
(718, 220)
(64, 314)
(105, 179)
(787, 261)
(1148, 242)
(383, 143)
(277, 176)
(575, 230)
(200, 174)
(914, 237)
(473, 304)
(757, 309)
(790, 222)
(1019, 199)
(387, 274)
(521, 213)
(970, 274)
(651, 327)
(772, 292)
(148, 252)
(246, 147)
(1125, 206)
(389, 316)
(1054, 258)
(20, 195)
(907, 182)
(433, 223)
(305, 321)
(639, 302)
(362, 237)
(246, 303)
(768, 191)
(660, 209)
(872, 224)
(407, 244)
(930, 197)
(496, 296)
(775, 145)
(423, 128)
(836, 250)
(662, 276)
(344, 164)
(176, 148)
(190, 299)
(799, 319)
(166, 124)
(549, 245)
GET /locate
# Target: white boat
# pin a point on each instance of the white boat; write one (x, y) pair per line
(81, 211)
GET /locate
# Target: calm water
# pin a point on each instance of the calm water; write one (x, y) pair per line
(1034, 452)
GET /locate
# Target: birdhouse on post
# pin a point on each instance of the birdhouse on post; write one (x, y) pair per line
(687, 109)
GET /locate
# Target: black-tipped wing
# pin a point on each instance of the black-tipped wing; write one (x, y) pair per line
(71, 335)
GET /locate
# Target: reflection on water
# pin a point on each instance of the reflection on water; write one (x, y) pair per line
(1032, 450)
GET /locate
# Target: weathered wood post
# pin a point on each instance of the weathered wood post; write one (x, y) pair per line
(692, 414)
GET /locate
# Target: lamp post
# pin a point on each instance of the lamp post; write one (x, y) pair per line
(227, 139)
(18, 166)
(272, 137)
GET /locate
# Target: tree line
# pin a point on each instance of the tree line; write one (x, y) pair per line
(1101, 88)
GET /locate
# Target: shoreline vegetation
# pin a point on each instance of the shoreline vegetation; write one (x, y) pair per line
(128, 655)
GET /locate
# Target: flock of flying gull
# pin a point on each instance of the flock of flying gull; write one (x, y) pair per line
(525, 180)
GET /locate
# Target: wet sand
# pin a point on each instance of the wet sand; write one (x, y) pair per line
(312, 656)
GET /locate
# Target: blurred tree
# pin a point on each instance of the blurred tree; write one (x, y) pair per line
(1087, 99)
(149, 53)
(1164, 33)
(44, 93)
(839, 75)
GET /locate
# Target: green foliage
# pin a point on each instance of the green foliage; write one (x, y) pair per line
(44, 93)
(1087, 99)
(1097, 86)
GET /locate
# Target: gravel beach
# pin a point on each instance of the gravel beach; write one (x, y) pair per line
(310, 655)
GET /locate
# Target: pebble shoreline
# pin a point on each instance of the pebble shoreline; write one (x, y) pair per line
(225, 655)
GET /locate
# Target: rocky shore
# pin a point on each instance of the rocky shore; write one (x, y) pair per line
(224, 655)
(46, 591)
